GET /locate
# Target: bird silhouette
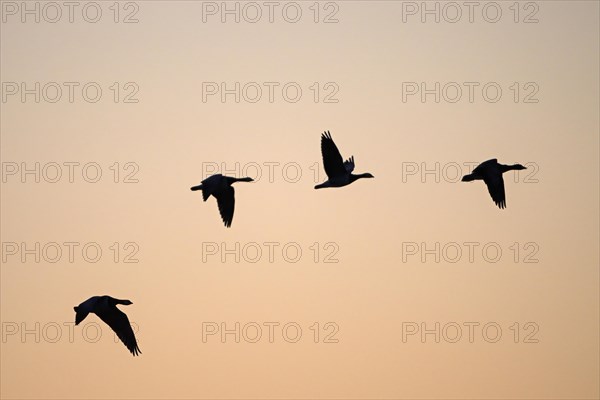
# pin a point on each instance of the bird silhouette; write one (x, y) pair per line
(490, 172)
(220, 187)
(105, 307)
(339, 172)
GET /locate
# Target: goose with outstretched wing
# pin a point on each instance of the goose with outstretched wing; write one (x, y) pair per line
(339, 172)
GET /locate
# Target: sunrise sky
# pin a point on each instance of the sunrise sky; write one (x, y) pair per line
(135, 108)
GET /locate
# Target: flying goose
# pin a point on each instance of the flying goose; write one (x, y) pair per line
(338, 171)
(105, 307)
(491, 173)
(220, 187)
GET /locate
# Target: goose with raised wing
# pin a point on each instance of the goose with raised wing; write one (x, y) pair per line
(339, 172)
(105, 307)
(490, 172)
(219, 186)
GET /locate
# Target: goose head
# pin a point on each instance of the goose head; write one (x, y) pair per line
(355, 177)
(121, 302)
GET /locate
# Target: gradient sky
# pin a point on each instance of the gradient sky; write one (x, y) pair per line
(376, 290)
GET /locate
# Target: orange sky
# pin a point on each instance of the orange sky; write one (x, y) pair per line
(342, 267)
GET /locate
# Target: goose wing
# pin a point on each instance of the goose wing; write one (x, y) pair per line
(226, 202)
(205, 193)
(349, 164)
(82, 310)
(332, 159)
(119, 323)
(495, 185)
(210, 184)
(485, 167)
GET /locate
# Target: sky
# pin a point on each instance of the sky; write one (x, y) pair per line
(409, 285)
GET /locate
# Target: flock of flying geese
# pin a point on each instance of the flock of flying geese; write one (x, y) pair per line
(339, 174)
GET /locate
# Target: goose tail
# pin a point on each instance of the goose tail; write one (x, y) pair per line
(468, 178)
(194, 188)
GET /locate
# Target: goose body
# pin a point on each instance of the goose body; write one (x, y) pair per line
(219, 186)
(339, 172)
(490, 172)
(105, 307)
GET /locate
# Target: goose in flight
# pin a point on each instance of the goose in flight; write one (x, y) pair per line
(338, 171)
(220, 187)
(105, 307)
(491, 173)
